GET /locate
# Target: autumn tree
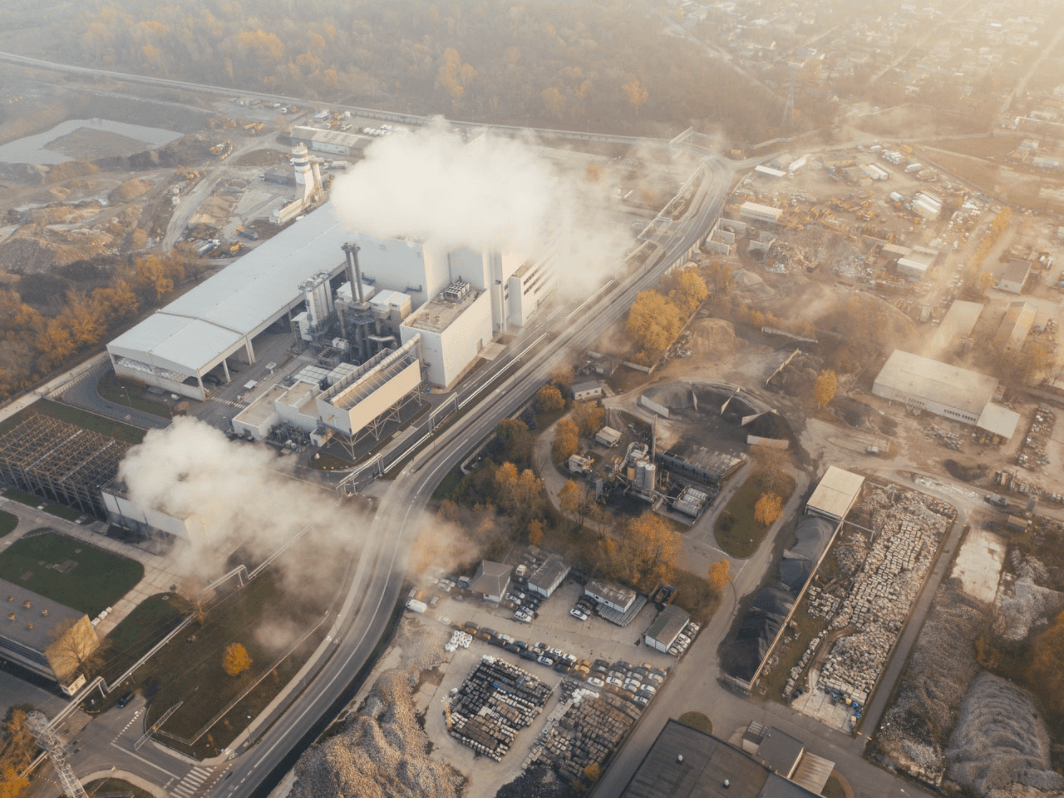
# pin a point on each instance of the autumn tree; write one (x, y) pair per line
(562, 376)
(768, 508)
(535, 532)
(824, 388)
(636, 93)
(719, 575)
(74, 646)
(653, 324)
(648, 551)
(515, 439)
(771, 466)
(549, 399)
(689, 292)
(592, 773)
(519, 493)
(53, 343)
(986, 280)
(588, 417)
(566, 440)
(1045, 673)
(235, 660)
(453, 75)
(574, 502)
(553, 102)
(17, 747)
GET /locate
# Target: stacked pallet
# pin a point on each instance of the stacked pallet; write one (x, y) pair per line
(494, 703)
(584, 734)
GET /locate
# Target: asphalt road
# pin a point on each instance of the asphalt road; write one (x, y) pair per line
(84, 394)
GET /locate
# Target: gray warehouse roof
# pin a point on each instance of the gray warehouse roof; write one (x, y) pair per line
(550, 573)
(18, 630)
(937, 382)
(836, 492)
(669, 623)
(241, 300)
(686, 763)
(491, 578)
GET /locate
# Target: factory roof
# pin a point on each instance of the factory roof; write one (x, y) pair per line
(609, 435)
(756, 208)
(438, 314)
(338, 137)
(684, 762)
(959, 321)
(1016, 271)
(550, 573)
(836, 493)
(938, 382)
(669, 623)
(33, 626)
(615, 594)
(213, 318)
(780, 752)
(998, 420)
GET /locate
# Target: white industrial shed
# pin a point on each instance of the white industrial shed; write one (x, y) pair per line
(835, 494)
(175, 346)
(944, 390)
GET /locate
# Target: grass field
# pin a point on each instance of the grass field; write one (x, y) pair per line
(34, 501)
(145, 626)
(81, 418)
(131, 394)
(94, 579)
(115, 788)
(8, 522)
(737, 532)
(694, 594)
(22, 497)
(806, 628)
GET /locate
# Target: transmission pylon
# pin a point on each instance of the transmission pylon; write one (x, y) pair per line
(53, 744)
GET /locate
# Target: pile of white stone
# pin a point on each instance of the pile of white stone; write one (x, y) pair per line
(458, 640)
(908, 530)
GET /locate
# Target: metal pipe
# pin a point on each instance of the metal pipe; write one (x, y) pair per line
(354, 273)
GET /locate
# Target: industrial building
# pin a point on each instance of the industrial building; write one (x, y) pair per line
(331, 142)
(959, 394)
(608, 437)
(662, 633)
(916, 263)
(957, 324)
(701, 465)
(1015, 327)
(835, 494)
(148, 521)
(60, 462)
(611, 596)
(454, 328)
(220, 318)
(684, 762)
(548, 576)
(583, 391)
(760, 213)
(45, 637)
(491, 580)
(1015, 276)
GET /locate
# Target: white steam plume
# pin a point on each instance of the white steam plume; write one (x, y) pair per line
(494, 193)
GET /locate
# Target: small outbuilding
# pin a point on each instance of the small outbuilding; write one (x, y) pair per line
(583, 391)
(608, 437)
(491, 580)
(546, 578)
(662, 633)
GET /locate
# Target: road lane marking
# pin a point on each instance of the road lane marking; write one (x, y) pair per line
(145, 761)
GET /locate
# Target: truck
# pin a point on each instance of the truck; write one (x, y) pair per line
(419, 607)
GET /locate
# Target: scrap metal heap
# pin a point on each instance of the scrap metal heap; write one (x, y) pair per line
(60, 462)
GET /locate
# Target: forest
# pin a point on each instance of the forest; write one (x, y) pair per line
(599, 65)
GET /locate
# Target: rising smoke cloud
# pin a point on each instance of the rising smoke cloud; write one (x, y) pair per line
(492, 193)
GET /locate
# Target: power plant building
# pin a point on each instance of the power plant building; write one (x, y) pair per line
(944, 390)
(220, 318)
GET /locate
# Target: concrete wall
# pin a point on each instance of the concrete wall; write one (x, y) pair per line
(445, 354)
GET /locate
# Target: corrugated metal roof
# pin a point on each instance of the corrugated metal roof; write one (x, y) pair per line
(931, 380)
(238, 301)
(813, 772)
(669, 623)
(836, 492)
(998, 420)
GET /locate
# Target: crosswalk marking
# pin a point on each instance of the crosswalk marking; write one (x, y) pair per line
(190, 783)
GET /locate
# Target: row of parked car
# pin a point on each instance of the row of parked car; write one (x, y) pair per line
(684, 639)
(638, 682)
(585, 605)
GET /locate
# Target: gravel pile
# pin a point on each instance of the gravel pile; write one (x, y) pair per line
(383, 751)
(1001, 742)
(1019, 608)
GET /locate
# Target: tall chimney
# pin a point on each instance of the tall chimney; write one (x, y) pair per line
(354, 274)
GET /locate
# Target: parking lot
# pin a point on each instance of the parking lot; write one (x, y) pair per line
(552, 628)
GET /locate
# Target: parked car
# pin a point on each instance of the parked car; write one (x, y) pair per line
(578, 614)
(545, 660)
(596, 681)
(125, 699)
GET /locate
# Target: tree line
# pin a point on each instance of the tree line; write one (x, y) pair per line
(598, 65)
(36, 343)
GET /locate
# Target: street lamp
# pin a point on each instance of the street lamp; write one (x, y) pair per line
(125, 393)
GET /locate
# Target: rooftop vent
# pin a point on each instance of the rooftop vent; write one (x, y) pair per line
(679, 757)
(26, 604)
(11, 616)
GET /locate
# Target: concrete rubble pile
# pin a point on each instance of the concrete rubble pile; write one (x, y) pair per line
(908, 530)
(915, 729)
(590, 726)
(382, 753)
(1001, 744)
(494, 703)
(1020, 606)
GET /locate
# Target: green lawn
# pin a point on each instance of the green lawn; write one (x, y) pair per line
(8, 522)
(131, 394)
(59, 510)
(22, 497)
(94, 579)
(145, 626)
(81, 418)
(737, 532)
(694, 594)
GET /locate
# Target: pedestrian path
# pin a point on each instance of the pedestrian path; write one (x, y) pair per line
(188, 785)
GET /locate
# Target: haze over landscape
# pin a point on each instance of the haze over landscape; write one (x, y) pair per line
(649, 399)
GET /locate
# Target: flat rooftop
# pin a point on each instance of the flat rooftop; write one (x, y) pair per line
(931, 380)
(33, 626)
(836, 492)
(438, 314)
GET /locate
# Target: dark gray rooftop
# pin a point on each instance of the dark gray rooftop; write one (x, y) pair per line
(38, 638)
